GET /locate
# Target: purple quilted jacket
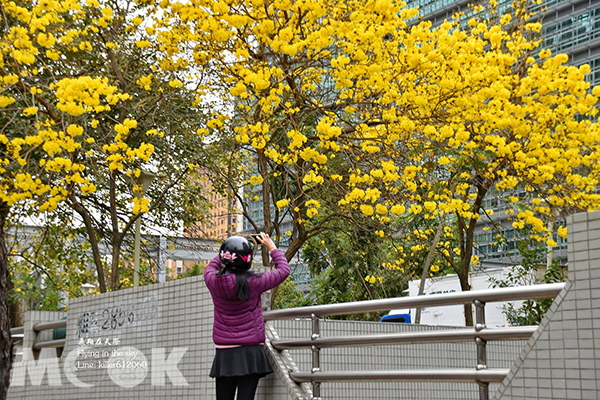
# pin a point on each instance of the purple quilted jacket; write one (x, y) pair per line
(239, 322)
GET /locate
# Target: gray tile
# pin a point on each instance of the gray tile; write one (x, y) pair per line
(579, 218)
(593, 245)
(578, 234)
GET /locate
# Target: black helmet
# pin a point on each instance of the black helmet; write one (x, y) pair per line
(236, 253)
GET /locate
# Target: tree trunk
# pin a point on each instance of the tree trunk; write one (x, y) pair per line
(116, 241)
(289, 254)
(116, 256)
(295, 246)
(464, 285)
(6, 346)
(466, 251)
(14, 313)
(89, 227)
(428, 262)
(466, 245)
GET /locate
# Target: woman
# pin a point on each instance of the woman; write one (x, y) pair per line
(239, 330)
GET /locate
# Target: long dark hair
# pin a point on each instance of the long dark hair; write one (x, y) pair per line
(242, 289)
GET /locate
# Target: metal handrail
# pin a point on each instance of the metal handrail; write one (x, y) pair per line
(19, 330)
(415, 375)
(50, 344)
(445, 336)
(42, 326)
(482, 375)
(490, 295)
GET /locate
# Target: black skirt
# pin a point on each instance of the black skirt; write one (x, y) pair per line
(240, 361)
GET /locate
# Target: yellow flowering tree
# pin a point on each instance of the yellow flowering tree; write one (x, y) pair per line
(99, 108)
(356, 105)
(85, 106)
(521, 131)
(282, 65)
(400, 119)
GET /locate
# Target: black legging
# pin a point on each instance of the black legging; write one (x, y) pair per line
(245, 385)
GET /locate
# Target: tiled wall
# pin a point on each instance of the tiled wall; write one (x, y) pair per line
(170, 319)
(562, 359)
(160, 320)
(155, 321)
(173, 321)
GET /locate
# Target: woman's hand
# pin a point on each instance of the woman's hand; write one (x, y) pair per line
(266, 241)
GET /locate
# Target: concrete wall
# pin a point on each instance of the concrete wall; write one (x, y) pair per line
(562, 358)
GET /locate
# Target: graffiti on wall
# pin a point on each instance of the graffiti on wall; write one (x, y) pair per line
(116, 317)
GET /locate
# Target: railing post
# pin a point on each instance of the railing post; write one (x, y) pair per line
(481, 350)
(316, 367)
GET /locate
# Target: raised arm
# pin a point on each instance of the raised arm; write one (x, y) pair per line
(273, 278)
(210, 272)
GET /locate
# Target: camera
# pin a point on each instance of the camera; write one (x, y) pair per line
(254, 237)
